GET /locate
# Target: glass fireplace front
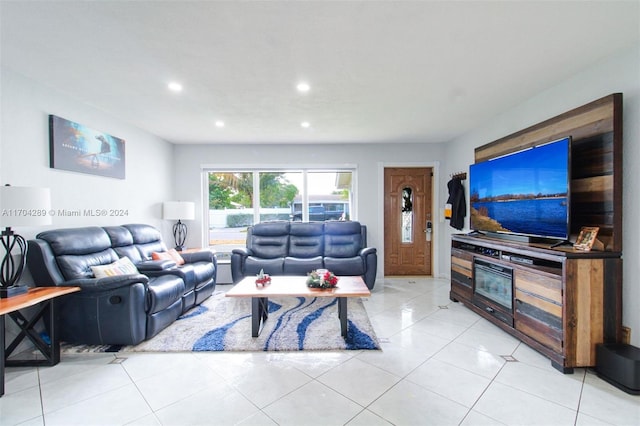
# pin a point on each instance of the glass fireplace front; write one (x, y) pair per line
(494, 282)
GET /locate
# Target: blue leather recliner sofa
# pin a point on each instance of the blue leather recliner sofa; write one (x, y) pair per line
(297, 248)
(121, 309)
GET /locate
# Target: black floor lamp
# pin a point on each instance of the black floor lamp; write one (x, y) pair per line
(20, 206)
(179, 210)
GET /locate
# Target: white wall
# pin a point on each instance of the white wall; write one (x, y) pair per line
(368, 158)
(24, 159)
(620, 73)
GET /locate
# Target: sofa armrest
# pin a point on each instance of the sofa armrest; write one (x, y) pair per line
(199, 256)
(242, 251)
(155, 265)
(367, 251)
(238, 258)
(370, 257)
(108, 283)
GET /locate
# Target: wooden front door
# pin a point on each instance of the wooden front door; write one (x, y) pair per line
(407, 215)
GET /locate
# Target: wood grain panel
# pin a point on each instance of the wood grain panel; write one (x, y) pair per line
(550, 289)
(590, 120)
(461, 254)
(461, 285)
(598, 188)
(461, 265)
(593, 156)
(612, 300)
(461, 271)
(542, 304)
(589, 315)
(534, 330)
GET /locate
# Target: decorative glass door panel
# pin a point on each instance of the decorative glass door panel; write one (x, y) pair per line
(407, 215)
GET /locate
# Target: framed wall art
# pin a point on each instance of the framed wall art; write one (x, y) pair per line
(77, 148)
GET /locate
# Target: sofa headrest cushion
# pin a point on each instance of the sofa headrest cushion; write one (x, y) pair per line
(341, 245)
(306, 240)
(306, 229)
(269, 247)
(76, 241)
(269, 240)
(119, 235)
(143, 234)
(269, 229)
(342, 228)
(342, 239)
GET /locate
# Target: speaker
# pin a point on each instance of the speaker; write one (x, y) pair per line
(619, 364)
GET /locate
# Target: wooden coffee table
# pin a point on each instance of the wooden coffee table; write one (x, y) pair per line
(295, 286)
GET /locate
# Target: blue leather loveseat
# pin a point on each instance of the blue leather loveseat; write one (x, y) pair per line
(118, 309)
(297, 248)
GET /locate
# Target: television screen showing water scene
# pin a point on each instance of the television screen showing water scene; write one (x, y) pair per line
(523, 193)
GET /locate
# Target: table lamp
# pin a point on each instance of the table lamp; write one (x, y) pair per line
(179, 210)
(19, 206)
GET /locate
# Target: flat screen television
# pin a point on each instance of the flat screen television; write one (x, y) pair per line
(525, 193)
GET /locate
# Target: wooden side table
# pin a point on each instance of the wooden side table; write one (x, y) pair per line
(44, 299)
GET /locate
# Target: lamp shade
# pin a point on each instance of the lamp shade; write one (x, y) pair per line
(24, 206)
(179, 210)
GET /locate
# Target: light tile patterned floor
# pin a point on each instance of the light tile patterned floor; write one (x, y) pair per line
(441, 364)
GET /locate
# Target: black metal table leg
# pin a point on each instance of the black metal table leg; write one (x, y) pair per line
(54, 327)
(259, 314)
(50, 350)
(342, 314)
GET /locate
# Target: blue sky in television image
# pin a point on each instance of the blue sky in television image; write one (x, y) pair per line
(541, 170)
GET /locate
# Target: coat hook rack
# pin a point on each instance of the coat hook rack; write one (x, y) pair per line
(459, 175)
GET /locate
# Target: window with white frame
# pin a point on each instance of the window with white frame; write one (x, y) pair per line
(238, 198)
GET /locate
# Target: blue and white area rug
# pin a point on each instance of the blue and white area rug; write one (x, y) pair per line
(224, 324)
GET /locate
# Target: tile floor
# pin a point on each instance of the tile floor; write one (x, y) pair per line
(441, 364)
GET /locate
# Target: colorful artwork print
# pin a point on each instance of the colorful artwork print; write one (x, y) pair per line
(77, 148)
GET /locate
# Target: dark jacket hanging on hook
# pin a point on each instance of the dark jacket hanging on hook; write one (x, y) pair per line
(458, 203)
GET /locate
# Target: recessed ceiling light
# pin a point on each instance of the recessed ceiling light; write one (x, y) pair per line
(305, 124)
(175, 87)
(219, 123)
(303, 87)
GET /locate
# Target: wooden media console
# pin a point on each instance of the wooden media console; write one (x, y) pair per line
(564, 300)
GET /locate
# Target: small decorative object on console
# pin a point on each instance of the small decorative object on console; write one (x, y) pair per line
(322, 278)
(262, 279)
(586, 238)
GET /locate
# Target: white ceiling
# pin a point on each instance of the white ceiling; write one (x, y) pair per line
(421, 71)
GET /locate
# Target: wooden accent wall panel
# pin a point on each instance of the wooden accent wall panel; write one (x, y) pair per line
(584, 316)
(596, 158)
